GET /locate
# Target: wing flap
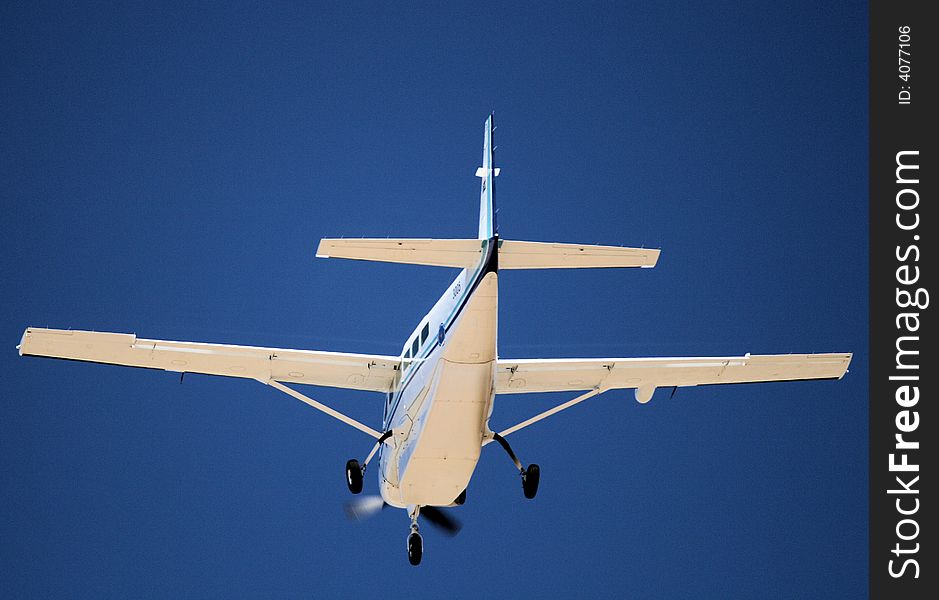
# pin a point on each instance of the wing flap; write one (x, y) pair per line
(556, 375)
(333, 369)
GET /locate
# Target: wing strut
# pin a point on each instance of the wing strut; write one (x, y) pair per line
(322, 407)
(594, 392)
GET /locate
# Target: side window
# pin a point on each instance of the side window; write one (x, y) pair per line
(425, 332)
(415, 346)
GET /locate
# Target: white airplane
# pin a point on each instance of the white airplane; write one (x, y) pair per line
(439, 392)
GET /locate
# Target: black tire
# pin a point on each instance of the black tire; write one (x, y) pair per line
(415, 548)
(354, 476)
(530, 479)
(461, 499)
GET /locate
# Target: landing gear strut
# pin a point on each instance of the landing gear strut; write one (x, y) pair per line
(415, 541)
(530, 476)
(355, 473)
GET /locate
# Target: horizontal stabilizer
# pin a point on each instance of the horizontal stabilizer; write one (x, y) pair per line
(545, 255)
(436, 253)
(467, 253)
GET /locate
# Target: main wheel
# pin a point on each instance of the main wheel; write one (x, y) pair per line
(415, 548)
(530, 479)
(354, 476)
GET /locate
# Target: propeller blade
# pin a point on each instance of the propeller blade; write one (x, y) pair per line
(364, 507)
(437, 517)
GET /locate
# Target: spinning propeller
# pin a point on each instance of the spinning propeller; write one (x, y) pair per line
(364, 507)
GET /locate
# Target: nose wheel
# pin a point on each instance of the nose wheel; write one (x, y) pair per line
(415, 541)
(415, 548)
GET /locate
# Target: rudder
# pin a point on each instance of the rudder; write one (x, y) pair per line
(487, 191)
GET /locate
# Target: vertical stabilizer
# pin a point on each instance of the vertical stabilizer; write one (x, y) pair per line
(487, 191)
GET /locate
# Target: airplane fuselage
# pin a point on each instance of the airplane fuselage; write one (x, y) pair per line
(440, 410)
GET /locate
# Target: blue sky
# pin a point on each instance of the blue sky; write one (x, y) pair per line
(168, 171)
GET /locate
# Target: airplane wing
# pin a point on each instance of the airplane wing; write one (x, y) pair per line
(333, 369)
(646, 374)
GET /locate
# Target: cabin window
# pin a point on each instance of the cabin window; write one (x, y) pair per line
(415, 346)
(425, 332)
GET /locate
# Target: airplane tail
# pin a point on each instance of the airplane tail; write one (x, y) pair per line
(467, 253)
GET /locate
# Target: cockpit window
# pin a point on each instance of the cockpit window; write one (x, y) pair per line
(407, 355)
(415, 346)
(425, 332)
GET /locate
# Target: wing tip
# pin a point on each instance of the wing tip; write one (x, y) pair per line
(23, 339)
(848, 356)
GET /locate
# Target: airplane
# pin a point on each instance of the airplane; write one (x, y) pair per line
(439, 392)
